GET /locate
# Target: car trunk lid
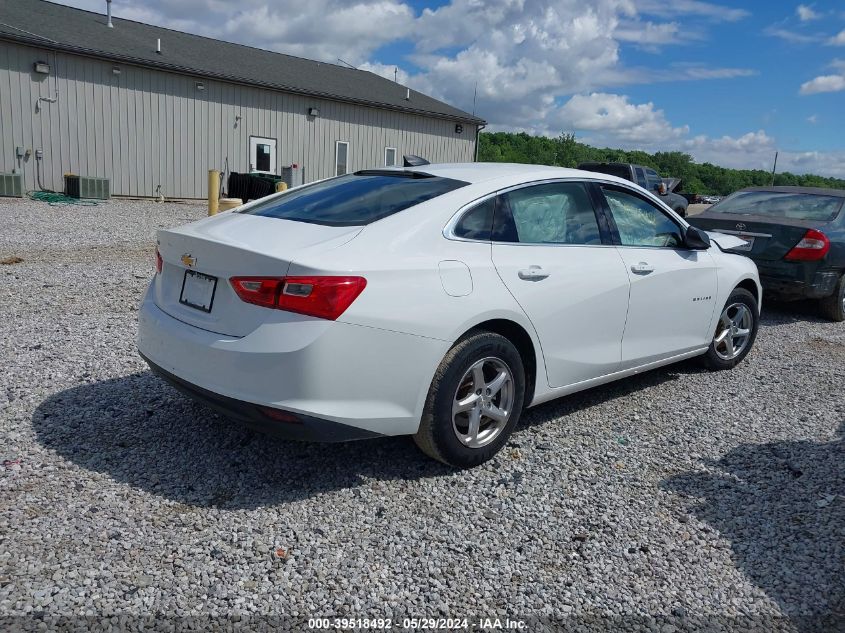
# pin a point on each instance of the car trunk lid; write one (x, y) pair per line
(198, 259)
(768, 239)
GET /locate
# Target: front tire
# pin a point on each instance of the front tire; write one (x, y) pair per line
(735, 332)
(833, 307)
(475, 401)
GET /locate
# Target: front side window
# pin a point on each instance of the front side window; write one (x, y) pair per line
(389, 156)
(355, 199)
(639, 222)
(341, 158)
(554, 213)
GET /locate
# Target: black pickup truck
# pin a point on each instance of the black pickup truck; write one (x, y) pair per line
(646, 178)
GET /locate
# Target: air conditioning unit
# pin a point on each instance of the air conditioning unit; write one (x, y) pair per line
(11, 185)
(87, 187)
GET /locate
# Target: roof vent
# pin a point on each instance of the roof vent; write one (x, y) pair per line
(108, 12)
(407, 94)
(158, 46)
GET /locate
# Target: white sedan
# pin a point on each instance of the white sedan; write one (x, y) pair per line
(438, 301)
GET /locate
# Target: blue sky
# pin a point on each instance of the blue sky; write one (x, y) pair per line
(728, 82)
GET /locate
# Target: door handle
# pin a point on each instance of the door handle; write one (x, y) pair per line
(643, 268)
(533, 273)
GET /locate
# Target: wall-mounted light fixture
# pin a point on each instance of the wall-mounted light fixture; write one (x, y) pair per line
(459, 128)
(313, 112)
(42, 68)
(115, 70)
(200, 85)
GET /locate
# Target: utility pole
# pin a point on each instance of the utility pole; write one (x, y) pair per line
(774, 168)
(474, 97)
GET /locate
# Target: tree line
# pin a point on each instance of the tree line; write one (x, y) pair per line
(700, 178)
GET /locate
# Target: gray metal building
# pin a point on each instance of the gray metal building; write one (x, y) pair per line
(153, 109)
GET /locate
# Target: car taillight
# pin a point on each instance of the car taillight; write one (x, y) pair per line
(325, 297)
(812, 247)
(159, 262)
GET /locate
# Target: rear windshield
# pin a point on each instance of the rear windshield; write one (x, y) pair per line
(795, 206)
(356, 199)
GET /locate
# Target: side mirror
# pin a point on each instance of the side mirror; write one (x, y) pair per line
(696, 239)
(661, 189)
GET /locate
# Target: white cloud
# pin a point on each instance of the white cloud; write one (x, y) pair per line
(805, 13)
(838, 39)
(756, 150)
(813, 119)
(824, 83)
(791, 36)
(317, 29)
(709, 10)
(611, 116)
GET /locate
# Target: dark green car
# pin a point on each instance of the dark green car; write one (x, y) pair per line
(795, 235)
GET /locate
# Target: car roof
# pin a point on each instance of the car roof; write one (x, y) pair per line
(813, 191)
(514, 173)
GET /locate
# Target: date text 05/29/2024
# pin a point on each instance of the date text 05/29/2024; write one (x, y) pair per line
(419, 624)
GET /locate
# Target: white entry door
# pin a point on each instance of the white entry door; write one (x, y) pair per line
(262, 154)
(548, 250)
(673, 289)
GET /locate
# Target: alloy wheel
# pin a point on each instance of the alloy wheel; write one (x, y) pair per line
(733, 331)
(483, 402)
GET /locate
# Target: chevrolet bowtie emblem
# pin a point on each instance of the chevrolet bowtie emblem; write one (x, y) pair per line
(740, 227)
(189, 260)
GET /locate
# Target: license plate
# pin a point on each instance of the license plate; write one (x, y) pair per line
(749, 243)
(198, 290)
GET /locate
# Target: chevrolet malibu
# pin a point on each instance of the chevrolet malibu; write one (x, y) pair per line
(438, 301)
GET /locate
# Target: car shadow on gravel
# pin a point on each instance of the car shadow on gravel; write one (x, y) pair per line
(138, 430)
(601, 394)
(782, 506)
(778, 312)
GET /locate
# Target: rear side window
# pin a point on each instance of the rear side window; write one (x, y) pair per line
(477, 222)
(356, 199)
(554, 213)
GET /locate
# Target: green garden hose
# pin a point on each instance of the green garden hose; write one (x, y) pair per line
(59, 199)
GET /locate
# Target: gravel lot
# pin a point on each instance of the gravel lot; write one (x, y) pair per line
(678, 498)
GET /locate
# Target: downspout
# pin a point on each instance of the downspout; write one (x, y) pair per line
(478, 129)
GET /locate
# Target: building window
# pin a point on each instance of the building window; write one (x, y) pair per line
(389, 156)
(262, 154)
(341, 158)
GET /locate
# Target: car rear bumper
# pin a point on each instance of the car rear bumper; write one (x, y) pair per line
(791, 281)
(372, 380)
(298, 427)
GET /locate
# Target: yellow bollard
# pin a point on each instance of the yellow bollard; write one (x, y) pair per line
(281, 186)
(213, 191)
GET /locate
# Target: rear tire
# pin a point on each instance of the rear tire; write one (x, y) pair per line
(475, 401)
(735, 332)
(833, 307)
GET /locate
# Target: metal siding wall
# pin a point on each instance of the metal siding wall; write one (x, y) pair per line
(143, 128)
